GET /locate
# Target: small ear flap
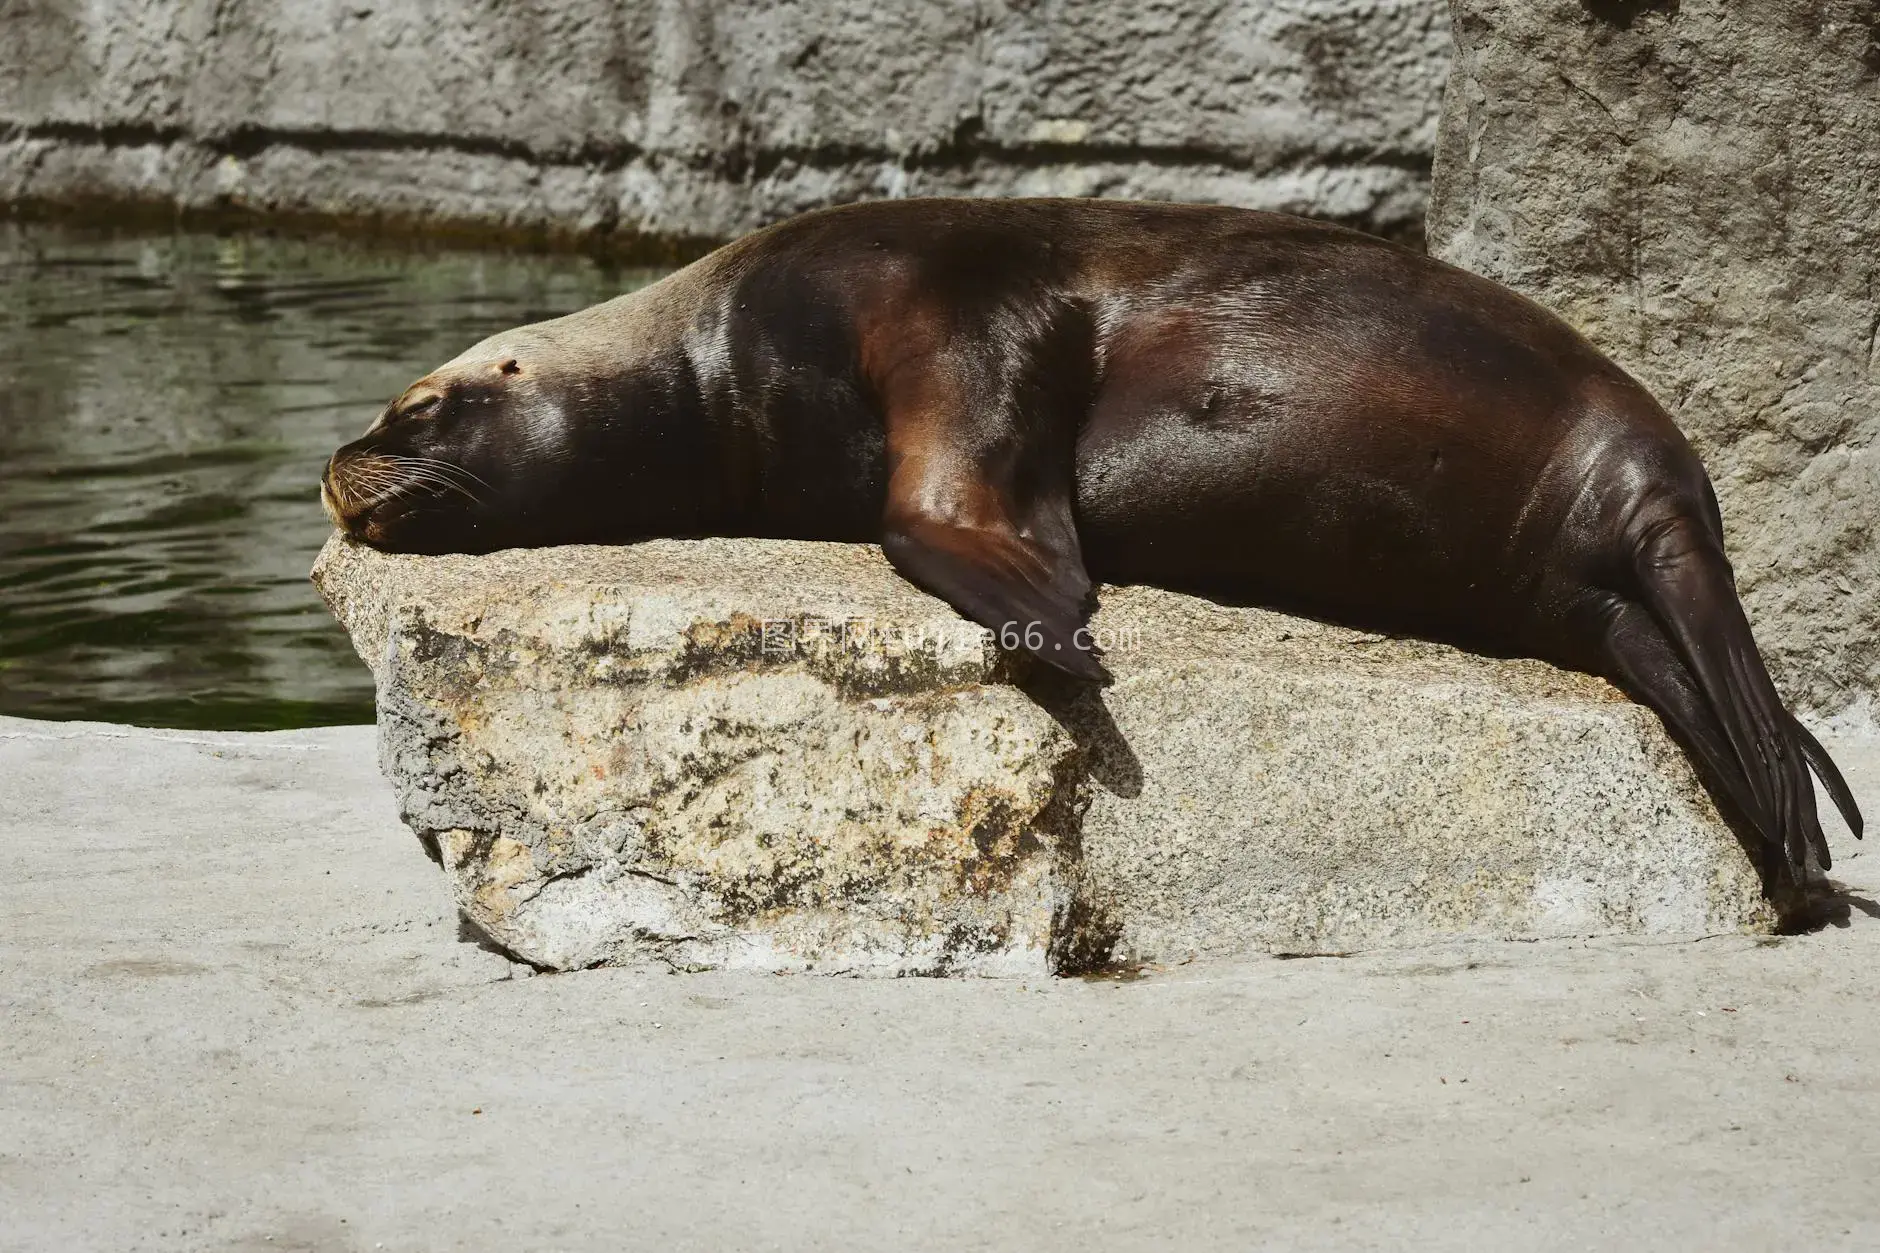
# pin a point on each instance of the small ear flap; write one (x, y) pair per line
(1029, 596)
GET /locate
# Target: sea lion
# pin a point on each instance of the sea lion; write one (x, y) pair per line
(1017, 396)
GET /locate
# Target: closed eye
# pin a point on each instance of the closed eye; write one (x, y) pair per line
(421, 405)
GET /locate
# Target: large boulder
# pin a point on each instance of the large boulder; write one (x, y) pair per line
(781, 756)
(681, 120)
(1696, 186)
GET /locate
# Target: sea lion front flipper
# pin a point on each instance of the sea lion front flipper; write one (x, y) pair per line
(981, 416)
(1028, 595)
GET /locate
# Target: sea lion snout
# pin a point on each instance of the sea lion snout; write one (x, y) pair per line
(327, 502)
(355, 484)
(405, 500)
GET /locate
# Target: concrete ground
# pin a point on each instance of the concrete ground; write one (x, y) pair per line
(235, 1015)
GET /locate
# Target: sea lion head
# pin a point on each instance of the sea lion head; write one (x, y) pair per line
(536, 436)
(420, 478)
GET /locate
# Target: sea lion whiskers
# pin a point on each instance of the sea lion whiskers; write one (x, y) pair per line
(356, 478)
(389, 494)
(367, 480)
(341, 484)
(357, 493)
(438, 473)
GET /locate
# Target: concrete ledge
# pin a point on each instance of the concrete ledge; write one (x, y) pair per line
(780, 756)
(238, 1018)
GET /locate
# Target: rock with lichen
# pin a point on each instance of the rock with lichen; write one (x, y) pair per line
(778, 755)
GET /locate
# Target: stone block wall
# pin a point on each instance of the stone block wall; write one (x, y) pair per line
(691, 121)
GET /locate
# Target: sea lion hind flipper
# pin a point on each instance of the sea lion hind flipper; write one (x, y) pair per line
(1642, 662)
(1684, 580)
(1029, 597)
(1830, 776)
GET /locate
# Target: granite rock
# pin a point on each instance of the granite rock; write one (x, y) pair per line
(1696, 186)
(779, 755)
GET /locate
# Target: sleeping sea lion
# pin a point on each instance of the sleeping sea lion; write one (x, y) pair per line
(1016, 397)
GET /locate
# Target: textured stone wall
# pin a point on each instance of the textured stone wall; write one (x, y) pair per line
(686, 119)
(1696, 186)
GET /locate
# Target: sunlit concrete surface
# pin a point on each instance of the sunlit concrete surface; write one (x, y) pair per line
(235, 1015)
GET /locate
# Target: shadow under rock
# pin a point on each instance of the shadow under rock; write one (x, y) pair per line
(1077, 706)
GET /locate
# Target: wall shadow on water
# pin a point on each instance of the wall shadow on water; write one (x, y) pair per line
(166, 402)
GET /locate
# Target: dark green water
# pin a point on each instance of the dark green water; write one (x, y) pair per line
(166, 404)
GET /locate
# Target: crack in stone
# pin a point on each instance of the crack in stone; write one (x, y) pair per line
(739, 161)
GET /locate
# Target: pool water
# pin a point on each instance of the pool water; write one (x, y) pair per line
(166, 404)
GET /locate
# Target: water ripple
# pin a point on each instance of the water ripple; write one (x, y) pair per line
(165, 406)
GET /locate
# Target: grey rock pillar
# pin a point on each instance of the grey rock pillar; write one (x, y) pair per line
(1696, 186)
